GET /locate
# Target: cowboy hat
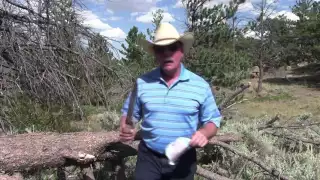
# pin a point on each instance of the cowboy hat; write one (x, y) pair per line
(167, 34)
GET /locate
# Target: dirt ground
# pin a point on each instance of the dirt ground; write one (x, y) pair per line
(287, 93)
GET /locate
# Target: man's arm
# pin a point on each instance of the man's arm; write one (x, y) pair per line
(209, 130)
(210, 116)
(127, 131)
(136, 113)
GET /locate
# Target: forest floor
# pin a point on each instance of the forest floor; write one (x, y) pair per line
(294, 96)
(286, 93)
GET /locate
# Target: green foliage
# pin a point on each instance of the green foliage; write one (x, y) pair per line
(28, 115)
(307, 29)
(224, 67)
(133, 52)
(136, 59)
(157, 18)
(209, 24)
(276, 97)
(215, 56)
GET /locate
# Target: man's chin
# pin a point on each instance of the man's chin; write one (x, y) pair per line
(168, 69)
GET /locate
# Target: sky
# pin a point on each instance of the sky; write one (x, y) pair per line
(114, 18)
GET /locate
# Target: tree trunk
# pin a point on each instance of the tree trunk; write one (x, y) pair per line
(45, 150)
(38, 150)
(260, 75)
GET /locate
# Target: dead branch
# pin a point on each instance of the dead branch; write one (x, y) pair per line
(209, 175)
(47, 61)
(215, 167)
(271, 171)
(293, 137)
(227, 138)
(269, 123)
(235, 94)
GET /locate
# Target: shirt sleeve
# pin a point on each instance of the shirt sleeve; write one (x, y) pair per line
(209, 111)
(136, 109)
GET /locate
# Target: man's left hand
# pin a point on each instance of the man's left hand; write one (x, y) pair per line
(198, 139)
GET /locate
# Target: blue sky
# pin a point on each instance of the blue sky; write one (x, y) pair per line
(114, 18)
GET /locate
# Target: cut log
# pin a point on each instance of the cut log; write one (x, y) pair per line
(42, 150)
(13, 177)
(210, 175)
(45, 150)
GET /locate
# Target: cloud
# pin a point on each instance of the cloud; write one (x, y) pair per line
(287, 14)
(110, 11)
(90, 19)
(208, 4)
(116, 33)
(253, 34)
(148, 17)
(134, 14)
(178, 4)
(131, 5)
(114, 18)
(246, 6)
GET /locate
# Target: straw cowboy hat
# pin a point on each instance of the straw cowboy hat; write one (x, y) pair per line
(167, 34)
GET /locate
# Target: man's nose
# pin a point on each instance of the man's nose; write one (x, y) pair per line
(167, 52)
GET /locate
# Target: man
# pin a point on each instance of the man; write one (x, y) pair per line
(172, 101)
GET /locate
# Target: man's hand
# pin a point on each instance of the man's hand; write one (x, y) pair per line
(127, 133)
(198, 139)
(201, 137)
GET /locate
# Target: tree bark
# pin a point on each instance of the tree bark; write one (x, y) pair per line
(210, 175)
(13, 177)
(38, 150)
(45, 150)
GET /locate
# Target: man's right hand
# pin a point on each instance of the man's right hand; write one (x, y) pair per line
(127, 132)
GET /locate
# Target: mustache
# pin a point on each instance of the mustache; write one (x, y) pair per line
(168, 60)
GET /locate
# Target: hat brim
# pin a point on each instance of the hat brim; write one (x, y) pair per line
(186, 39)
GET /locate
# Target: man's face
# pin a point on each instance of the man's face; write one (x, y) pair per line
(169, 57)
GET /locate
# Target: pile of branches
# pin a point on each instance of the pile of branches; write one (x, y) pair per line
(83, 149)
(47, 54)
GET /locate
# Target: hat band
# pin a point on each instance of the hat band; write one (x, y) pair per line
(165, 39)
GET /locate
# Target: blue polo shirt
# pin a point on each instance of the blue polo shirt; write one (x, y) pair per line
(171, 112)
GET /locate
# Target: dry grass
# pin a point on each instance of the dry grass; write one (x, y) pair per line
(295, 160)
(292, 103)
(288, 101)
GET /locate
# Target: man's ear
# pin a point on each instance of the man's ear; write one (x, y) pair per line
(181, 46)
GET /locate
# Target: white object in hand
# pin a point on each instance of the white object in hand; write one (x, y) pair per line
(176, 148)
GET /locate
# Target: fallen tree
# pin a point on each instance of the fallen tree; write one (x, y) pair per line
(13, 177)
(46, 150)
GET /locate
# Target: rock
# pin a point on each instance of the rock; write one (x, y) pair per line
(255, 69)
(254, 72)
(288, 68)
(302, 64)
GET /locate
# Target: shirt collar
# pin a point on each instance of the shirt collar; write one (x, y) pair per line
(184, 74)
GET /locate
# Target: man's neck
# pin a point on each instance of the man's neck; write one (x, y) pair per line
(169, 78)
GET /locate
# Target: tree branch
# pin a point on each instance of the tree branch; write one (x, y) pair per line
(209, 175)
(235, 94)
(271, 171)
